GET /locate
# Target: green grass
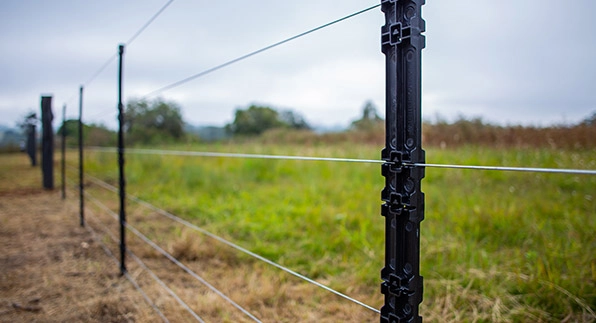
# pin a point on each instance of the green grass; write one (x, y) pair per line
(495, 246)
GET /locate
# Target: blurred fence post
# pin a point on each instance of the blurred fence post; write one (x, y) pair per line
(47, 143)
(81, 186)
(32, 142)
(121, 165)
(402, 43)
(63, 146)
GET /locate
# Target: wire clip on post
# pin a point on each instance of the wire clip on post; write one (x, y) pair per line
(402, 43)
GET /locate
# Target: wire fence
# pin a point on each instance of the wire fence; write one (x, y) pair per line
(163, 152)
(108, 252)
(173, 217)
(395, 164)
(138, 260)
(173, 259)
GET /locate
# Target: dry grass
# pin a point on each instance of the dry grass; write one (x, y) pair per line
(267, 293)
(462, 132)
(51, 270)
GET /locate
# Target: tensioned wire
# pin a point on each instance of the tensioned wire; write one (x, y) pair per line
(231, 155)
(352, 160)
(229, 243)
(174, 260)
(148, 23)
(147, 269)
(130, 40)
(509, 169)
(130, 279)
(238, 59)
(243, 57)
(115, 216)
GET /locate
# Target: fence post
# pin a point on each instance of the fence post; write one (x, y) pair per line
(81, 186)
(121, 165)
(47, 142)
(402, 43)
(32, 139)
(63, 148)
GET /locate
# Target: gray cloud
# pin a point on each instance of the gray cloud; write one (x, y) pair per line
(507, 61)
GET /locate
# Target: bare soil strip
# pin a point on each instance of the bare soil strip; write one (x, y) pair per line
(52, 271)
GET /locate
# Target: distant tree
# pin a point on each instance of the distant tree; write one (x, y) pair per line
(370, 118)
(70, 128)
(30, 119)
(153, 121)
(591, 120)
(93, 134)
(257, 119)
(293, 120)
(254, 121)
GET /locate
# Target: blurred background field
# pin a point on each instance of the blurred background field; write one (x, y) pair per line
(496, 246)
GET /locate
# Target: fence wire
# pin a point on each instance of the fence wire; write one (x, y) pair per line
(243, 57)
(148, 23)
(233, 155)
(149, 271)
(173, 259)
(230, 244)
(510, 169)
(115, 55)
(130, 279)
(350, 160)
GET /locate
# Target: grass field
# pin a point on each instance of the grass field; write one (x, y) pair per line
(495, 246)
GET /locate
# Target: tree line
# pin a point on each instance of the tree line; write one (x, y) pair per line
(160, 122)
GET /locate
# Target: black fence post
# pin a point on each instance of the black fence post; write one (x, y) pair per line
(47, 142)
(32, 139)
(81, 185)
(402, 43)
(121, 165)
(63, 148)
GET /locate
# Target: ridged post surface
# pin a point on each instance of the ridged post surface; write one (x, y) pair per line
(403, 208)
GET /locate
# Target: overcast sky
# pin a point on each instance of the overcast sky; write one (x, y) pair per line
(507, 61)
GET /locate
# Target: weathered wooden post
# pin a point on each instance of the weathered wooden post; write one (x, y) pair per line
(47, 143)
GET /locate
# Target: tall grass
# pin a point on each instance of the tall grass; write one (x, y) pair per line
(496, 246)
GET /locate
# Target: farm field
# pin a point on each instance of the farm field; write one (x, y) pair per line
(495, 246)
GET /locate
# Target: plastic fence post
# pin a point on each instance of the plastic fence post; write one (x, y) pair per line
(402, 43)
(81, 186)
(121, 165)
(63, 148)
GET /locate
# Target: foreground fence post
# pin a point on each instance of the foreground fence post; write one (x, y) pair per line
(47, 142)
(121, 165)
(81, 186)
(402, 43)
(63, 149)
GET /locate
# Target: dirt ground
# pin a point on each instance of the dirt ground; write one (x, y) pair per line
(52, 269)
